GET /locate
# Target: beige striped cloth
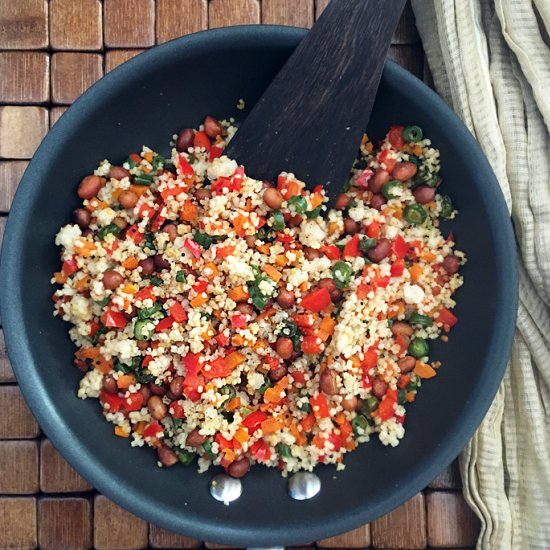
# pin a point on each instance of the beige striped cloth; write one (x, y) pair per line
(490, 61)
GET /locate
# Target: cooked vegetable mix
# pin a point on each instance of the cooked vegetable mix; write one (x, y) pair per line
(239, 321)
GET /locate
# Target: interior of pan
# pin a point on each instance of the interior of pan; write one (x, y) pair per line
(144, 102)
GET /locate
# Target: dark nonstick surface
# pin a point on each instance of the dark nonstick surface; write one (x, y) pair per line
(145, 101)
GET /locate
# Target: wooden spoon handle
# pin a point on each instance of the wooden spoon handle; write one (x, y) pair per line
(311, 118)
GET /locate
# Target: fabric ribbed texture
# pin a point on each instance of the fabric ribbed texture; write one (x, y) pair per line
(490, 61)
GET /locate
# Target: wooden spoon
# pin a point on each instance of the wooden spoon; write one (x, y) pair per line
(311, 118)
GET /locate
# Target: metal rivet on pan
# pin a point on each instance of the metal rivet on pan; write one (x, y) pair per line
(226, 489)
(303, 485)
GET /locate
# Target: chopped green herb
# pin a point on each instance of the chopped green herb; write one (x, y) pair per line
(185, 457)
(299, 203)
(149, 312)
(110, 229)
(277, 220)
(181, 276)
(156, 280)
(366, 244)
(447, 208)
(98, 334)
(419, 319)
(284, 450)
(314, 213)
(359, 425)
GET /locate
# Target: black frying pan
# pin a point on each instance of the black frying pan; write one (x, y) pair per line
(147, 100)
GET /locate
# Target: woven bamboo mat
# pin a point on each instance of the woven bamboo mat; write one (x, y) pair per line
(50, 52)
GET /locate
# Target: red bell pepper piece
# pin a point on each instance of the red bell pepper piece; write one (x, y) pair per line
(114, 401)
(136, 158)
(147, 293)
(381, 282)
(238, 320)
(114, 319)
(237, 179)
(146, 211)
(400, 247)
(299, 376)
(222, 339)
(193, 247)
(70, 266)
(220, 184)
(272, 362)
(311, 345)
(386, 408)
(200, 286)
(336, 441)
(304, 320)
(202, 140)
(363, 290)
(260, 450)
(346, 429)
(222, 442)
(253, 421)
(395, 137)
(176, 409)
(185, 168)
(318, 189)
(402, 342)
(164, 324)
(146, 360)
(319, 405)
(135, 234)
(446, 317)
(373, 230)
(215, 152)
(317, 300)
(387, 160)
(158, 219)
(94, 327)
(370, 359)
(153, 430)
(331, 251)
(397, 268)
(133, 402)
(193, 380)
(351, 250)
(218, 369)
(178, 313)
(364, 177)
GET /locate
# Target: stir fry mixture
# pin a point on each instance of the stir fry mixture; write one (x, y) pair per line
(238, 321)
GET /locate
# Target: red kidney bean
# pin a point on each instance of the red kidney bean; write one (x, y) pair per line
(127, 199)
(285, 298)
(312, 253)
(404, 171)
(351, 226)
(239, 468)
(377, 181)
(89, 187)
(284, 347)
(245, 309)
(172, 231)
(350, 403)
(82, 217)
(380, 251)
(109, 385)
(146, 392)
(176, 386)
(171, 396)
(276, 374)
(400, 327)
(327, 382)
(157, 390)
(379, 388)
(328, 283)
(342, 201)
(157, 408)
(185, 139)
(406, 364)
(423, 194)
(147, 266)
(451, 264)
(273, 198)
(377, 201)
(195, 439)
(212, 127)
(295, 221)
(112, 279)
(167, 456)
(118, 172)
(161, 262)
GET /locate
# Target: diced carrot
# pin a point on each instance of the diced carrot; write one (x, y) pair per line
(415, 271)
(308, 422)
(82, 284)
(124, 381)
(130, 263)
(208, 332)
(265, 314)
(319, 442)
(189, 211)
(224, 251)
(84, 248)
(145, 169)
(417, 150)
(237, 340)
(121, 432)
(396, 309)
(272, 273)
(210, 270)
(333, 228)
(87, 353)
(105, 366)
(423, 370)
(298, 435)
(340, 418)
(140, 427)
(326, 328)
(239, 224)
(229, 455)
(260, 344)
(316, 200)
(428, 256)
(130, 288)
(60, 277)
(304, 286)
(234, 359)
(410, 396)
(239, 294)
(281, 260)
(148, 156)
(264, 248)
(273, 395)
(199, 300)
(233, 404)
(95, 203)
(115, 193)
(241, 435)
(271, 425)
(403, 381)
(292, 189)
(139, 190)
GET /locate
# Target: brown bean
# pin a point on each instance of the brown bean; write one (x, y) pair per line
(250, 240)
(400, 327)
(328, 283)
(118, 172)
(423, 194)
(172, 230)
(295, 221)
(284, 347)
(312, 253)
(82, 217)
(109, 385)
(267, 183)
(336, 295)
(351, 226)
(379, 388)
(377, 181)
(157, 390)
(146, 392)
(147, 266)
(143, 344)
(87, 232)
(342, 201)
(327, 382)
(276, 374)
(285, 298)
(350, 403)
(176, 386)
(185, 139)
(127, 199)
(377, 201)
(167, 456)
(89, 187)
(404, 171)
(239, 468)
(451, 264)
(161, 262)
(202, 194)
(212, 127)
(380, 251)
(120, 223)
(195, 439)
(406, 364)
(245, 309)
(273, 198)
(157, 408)
(112, 279)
